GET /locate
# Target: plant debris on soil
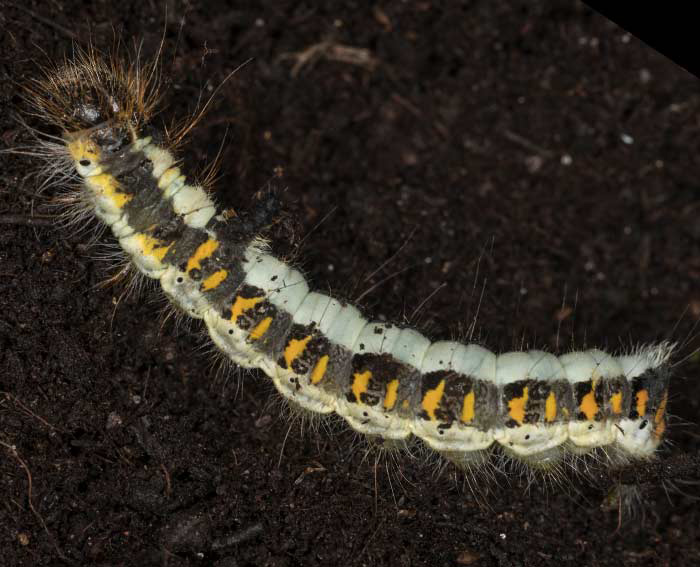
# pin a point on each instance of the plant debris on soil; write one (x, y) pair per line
(521, 174)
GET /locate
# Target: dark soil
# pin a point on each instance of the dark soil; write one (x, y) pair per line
(529, 150)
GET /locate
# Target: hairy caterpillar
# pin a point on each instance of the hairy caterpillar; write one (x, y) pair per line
(389, 383)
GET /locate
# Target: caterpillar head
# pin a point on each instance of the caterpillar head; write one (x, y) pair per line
(93, 89)
(99, 104)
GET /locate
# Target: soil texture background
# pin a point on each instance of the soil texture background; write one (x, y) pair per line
(524, 174)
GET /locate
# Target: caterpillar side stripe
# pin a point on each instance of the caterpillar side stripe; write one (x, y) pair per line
(388, 382)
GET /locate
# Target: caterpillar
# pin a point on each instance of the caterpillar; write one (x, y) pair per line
(388, 382)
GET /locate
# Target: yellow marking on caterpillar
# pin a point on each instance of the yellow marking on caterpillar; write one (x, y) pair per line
(616, 402)
(431, 400)
(107, 185)
(319, 370)
(468, 407)
(243, 304)
(360, 382)
(550, 408)
(203, 252)
(294, 349)
(83, 149)
(151, 246)
(642, 399)
(260, 329)
(215, 280)
(659, 421)
(516, 406)
(392, 391)
(588, 405)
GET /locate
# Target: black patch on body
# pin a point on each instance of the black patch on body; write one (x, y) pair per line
(614, 385)
(186, 245)
(457, 386)
(241, 227)
(537, 391)
(431, 381)
(339, 370)
(147, 211)
(655, 381)
(536, 405)
(564, 395)
(317, 346)
(581, 390)
(273, 341)
(384, 368)
(249, 318)
(228, 256)
(601, 394)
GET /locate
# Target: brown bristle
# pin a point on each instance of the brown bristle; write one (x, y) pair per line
(92, 87)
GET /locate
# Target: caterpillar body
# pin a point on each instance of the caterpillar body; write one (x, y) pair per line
(388, 382)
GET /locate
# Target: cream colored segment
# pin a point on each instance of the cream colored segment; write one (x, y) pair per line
(184, 292)
(410, 348)
(530, 439)
(376, 338)
(140, 144)
(305, 312)
(585, 435)
(638, 442)
(174, 186)
(589, 365)
(201, 217)
(579, 366)
(168, 177)
(193, 203)
(512, 367)
(231, 340)
(263, 270)
(371, 421)
(284, 286)
(317, 308)
(438, 356)
(148, 264)
(642, 359)
(458, 438)
(633, 365)
(299, 390)
(161, 159)
(121, 228)
(607, 366)
(475, 361)
(545, 366)
(346, 326)
(107, 217)
(291, 293)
